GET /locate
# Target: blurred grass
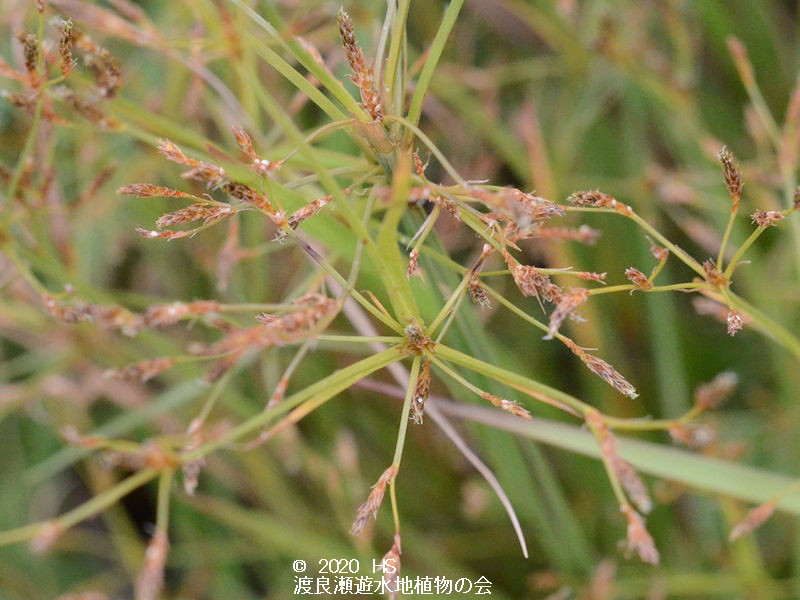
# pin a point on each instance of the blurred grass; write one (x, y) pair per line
(634, 98)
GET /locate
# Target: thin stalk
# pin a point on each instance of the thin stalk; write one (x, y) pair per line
(432, 60)
(742, 249)
(725, 237)
(393, 62)
(409, 398)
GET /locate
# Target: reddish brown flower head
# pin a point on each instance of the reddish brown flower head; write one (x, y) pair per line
(478, 293)
(65, 41)
(602, 369)
(660, 253)
(713, 275)
(766, 218)
(142, 371)
(638, 279)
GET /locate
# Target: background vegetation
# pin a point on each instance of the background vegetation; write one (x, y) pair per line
(633, 98)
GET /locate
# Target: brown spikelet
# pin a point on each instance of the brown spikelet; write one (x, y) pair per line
(602, 369)
(370, 507)
(30, 52)
(151, 576)
(161, 315)
(583, 234)
(564, 308)
(104, 69)
(209, 213)
(46, 536)
(712, 394)
(733, 176)
(88, 109)
(622, 469)
(172, 152)
(164, 235)
(796, 199)
(766, 218)
(65, 41)
(363, 75)
(421, 391)
(532, 282)
(249, 195)
(261, 166)
(597, 199)
(713, 275)
(507, 405)
(589, 275)
(142, 371)
(191, 469)
(147, 190)
(478, 293)
(639, 539)
(734, 322)
(659, 253)
(754, 519)
(419, 167)
(109, 317)
(308, 211)
(692, 436)
(391, 568)
(638, 279)
(522, 209)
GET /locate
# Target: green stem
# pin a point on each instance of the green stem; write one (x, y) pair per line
(742, 249)
(401, 434)
(432, 60)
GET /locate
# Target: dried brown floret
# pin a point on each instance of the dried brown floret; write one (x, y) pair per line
(712, 394)
(766, 218)
(209, 213)
(598, 199)
(693, 436)
(754, 519)
(565, 307)
(421, 392)
(639, 539)
(363, 76)
(733, 176)
(105, 70)
(151, 576)
(532, 282)
(583, 234)
(65, 41)
(659, 253)
(638, 279)
(478, 293)
(734, 322)
(308, 211)
(370, 507)
(602, 369)
(142, 371)
(713, 275)
(147, 190)
(413, 263)
(507, 405)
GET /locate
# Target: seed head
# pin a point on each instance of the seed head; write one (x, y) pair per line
(598, 199)
(638, 279)
(754, 519)
(565, 307)
(712, 394)
(507, 405)
(766, 218)
(413, 263)
(602, 369)
(639, 539)
(373, 503)
(421, 391)
(142, 371)
(733, 176)
(65, 41)
(713, 275)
